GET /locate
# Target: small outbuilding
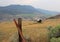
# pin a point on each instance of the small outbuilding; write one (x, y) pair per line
(39, 20)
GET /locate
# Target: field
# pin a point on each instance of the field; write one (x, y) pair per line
(37, 32)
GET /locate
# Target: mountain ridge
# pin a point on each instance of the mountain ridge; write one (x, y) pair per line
(18, 9)
(23, 9)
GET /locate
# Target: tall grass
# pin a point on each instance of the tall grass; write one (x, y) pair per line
(32, 32)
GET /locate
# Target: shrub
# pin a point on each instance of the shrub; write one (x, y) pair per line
(54, 33)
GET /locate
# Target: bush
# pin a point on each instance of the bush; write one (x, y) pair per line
(54, 33)
(55, 40)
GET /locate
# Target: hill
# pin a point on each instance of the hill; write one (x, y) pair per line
(47, 12)
(55, 17)
(24, 11)
(18, 9)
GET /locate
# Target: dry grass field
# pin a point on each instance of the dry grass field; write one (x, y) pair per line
(36, 31)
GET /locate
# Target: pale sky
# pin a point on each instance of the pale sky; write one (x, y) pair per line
(53, 5)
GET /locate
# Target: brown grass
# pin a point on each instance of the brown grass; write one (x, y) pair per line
(37, 32)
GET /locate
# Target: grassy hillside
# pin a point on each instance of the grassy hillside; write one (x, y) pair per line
(37, 32)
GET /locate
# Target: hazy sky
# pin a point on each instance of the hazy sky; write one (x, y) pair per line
(53, 5)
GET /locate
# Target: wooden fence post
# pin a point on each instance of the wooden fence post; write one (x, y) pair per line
(19, 27)
(20, 23)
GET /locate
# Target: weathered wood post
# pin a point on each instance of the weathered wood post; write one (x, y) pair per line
(19, 27)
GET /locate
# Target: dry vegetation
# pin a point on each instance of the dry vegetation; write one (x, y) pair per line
(36, 31)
